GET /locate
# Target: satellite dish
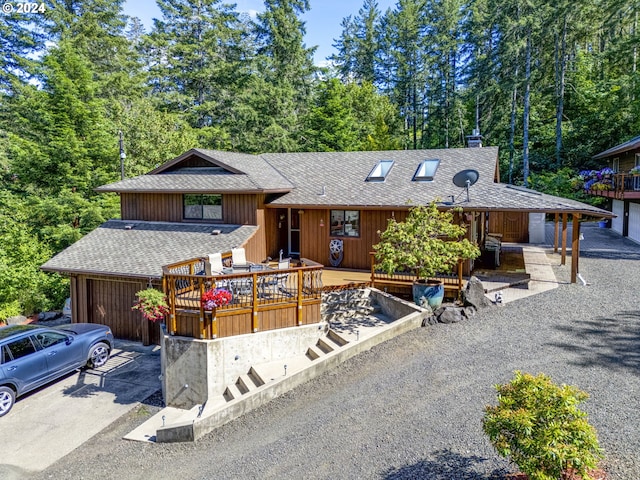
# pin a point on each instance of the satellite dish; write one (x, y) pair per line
(465, 179)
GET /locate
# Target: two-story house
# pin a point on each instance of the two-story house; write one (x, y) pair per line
(208, 201)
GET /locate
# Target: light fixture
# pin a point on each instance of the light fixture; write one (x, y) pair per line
(321, 222)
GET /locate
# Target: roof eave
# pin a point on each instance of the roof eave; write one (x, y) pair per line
(72, 271)
(187, 191)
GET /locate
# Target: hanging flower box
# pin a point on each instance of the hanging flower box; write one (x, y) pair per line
(215, 297)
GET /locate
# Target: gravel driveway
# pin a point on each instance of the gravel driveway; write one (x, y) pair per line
(412, 407)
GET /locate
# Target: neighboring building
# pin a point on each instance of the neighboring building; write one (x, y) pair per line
(624, 194)
(208, 201)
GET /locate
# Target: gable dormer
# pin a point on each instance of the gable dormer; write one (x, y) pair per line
(200, 186)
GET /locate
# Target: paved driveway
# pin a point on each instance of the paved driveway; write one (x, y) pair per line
(52, 421)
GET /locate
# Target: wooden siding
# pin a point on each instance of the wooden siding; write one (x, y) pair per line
(315, 238)
(238, 209)
(151, 207)
(230, 324)
(108, 301)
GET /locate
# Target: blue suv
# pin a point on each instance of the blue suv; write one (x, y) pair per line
(33, 355)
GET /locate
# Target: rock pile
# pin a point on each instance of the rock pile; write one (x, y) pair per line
(473, 299)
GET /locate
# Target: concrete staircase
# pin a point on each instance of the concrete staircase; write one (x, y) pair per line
(243, 385)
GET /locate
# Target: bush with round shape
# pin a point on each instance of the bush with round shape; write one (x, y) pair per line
(538, 425)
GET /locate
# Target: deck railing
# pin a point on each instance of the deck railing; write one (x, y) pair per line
(260, 300)
(617, 185)
(453, 282)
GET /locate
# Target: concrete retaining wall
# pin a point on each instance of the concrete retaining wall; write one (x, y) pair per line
(195, 370)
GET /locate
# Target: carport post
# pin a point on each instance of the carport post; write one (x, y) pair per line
(563, 256)
(555, 232)
(575, 247)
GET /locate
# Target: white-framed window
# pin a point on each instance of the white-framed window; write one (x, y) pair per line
(615, 165)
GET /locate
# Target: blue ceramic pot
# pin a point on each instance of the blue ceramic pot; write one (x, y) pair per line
(431, 290)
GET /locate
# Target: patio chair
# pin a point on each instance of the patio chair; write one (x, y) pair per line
(214, 266)
(239, 259)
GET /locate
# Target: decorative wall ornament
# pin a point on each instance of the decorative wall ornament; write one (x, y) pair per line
(336, 252)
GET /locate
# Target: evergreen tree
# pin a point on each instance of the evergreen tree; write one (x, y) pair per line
(198, 53)
(279, 92)
(358, 45)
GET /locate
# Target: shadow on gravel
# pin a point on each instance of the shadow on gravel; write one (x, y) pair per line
(610, 254)
(610, 342)
(446, 466)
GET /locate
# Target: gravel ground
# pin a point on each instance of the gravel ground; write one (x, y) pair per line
(412, 407)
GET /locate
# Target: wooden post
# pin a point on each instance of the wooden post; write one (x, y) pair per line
(254, 309)
(300, 288)
(203, 315)
(555, 232)
(173, 323)
(373, 276)
(563, 258)
(575, 247)
(214, 324)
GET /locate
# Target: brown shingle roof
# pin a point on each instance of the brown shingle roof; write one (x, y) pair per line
(235, 173)
(112, 249)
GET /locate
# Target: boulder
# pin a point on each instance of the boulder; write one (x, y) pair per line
(473, 294)
(17, 320)
(450, 315)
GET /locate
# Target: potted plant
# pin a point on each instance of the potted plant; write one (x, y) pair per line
(427, 243)
(635, 170)
(215, 297)
(152, 304)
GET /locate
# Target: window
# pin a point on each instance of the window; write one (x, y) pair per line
(615, 165)
(48, 339)
(345, 223)
(202, 207)
(426, 170)
(380, 171)
(21, 348)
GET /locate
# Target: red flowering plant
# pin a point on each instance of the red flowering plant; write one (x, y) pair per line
(215, 297)
(152, 304)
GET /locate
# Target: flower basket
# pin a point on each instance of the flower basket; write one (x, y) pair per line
(215, 297)
(152, 304)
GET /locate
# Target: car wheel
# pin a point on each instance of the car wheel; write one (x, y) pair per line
(7, 399)
(98, 355)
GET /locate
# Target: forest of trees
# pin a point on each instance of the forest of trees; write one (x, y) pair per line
(551, 83)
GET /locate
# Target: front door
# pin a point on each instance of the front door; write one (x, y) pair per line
(294, 232)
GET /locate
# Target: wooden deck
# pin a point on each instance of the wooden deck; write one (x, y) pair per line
(337, 277)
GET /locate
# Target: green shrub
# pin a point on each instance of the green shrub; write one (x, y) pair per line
(539, 426)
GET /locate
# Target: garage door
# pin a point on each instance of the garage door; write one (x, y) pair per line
(634, 221)
(618, 209)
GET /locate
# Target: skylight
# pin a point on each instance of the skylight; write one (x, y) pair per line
(426, 170)
(380, 171)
